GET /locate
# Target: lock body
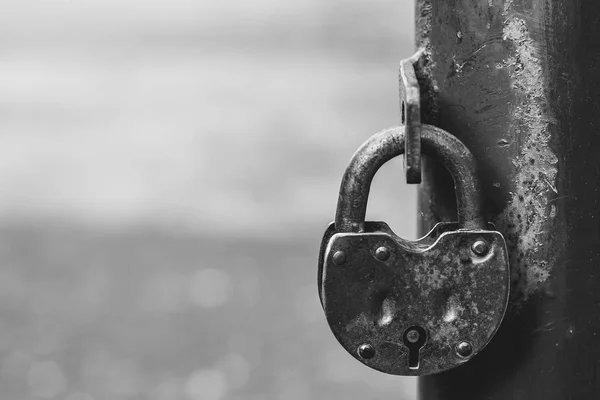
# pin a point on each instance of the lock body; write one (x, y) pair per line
(419, 307)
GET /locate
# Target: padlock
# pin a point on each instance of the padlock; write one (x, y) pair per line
(412, 307)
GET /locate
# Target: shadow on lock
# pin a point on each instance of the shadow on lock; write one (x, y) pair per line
(412, 307)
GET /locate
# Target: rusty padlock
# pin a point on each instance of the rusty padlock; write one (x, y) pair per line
(412, 307)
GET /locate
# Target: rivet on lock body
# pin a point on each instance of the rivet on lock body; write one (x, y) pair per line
(412, 307)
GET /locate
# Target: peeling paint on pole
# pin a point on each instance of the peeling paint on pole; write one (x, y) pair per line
(525, 221)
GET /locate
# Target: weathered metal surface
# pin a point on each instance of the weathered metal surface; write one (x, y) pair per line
(410, 117)
(412, 307)
(517, 82)
(389, 143)
(453, 295)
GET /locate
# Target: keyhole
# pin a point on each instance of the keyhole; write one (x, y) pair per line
(414, 339)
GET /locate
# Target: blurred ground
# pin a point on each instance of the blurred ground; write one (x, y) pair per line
(167, 168)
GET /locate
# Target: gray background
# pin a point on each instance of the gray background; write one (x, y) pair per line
(167, 169)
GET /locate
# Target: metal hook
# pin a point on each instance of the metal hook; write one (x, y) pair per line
(410, 111)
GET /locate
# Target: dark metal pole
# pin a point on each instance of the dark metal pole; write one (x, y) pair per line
(518, 81)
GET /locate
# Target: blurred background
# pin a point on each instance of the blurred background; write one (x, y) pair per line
(167, 170)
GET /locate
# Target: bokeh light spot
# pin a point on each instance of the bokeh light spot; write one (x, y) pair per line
(208, 384)
(209, 288)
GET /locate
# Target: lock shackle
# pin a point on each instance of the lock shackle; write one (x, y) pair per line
(389, 143)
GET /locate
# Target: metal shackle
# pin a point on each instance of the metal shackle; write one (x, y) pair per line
(389, 143)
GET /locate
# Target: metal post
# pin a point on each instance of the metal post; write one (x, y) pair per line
(518, 81)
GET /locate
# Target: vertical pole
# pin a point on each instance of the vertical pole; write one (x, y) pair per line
(518, 81)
